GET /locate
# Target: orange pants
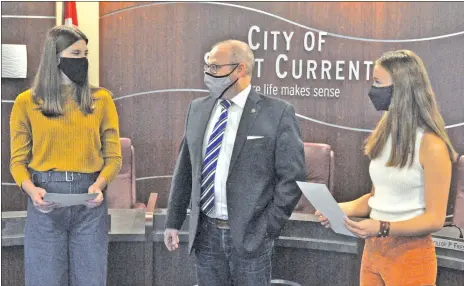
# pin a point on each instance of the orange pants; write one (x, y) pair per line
(399, 261)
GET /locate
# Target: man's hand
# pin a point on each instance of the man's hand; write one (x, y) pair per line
(171, 239)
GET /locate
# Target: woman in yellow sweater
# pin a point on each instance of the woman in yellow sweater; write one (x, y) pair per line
(65, 139)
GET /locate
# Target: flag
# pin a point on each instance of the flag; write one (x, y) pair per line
(69, 13)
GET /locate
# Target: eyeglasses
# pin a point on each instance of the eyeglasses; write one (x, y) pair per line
(213, 68)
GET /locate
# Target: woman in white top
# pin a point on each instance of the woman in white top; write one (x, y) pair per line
(410, 168)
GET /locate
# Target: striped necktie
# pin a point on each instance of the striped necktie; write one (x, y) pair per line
(208, 172)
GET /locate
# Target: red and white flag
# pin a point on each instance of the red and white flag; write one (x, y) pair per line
(69, 13)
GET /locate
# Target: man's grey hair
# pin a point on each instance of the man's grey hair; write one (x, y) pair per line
(240, 52)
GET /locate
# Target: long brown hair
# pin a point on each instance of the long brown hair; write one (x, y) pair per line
(413, 106)
(46, 86)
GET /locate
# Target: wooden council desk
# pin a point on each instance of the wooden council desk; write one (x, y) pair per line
(305, 253)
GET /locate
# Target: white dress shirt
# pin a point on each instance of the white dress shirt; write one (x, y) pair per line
(234, 115)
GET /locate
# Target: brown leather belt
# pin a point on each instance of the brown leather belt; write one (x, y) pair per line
(219, 223)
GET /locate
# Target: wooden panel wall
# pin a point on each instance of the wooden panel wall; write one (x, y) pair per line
(20, 26)
(150, 50)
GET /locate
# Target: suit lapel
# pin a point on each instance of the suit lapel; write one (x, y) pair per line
(250, 111)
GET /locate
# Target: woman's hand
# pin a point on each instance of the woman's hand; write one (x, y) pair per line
(94, 189)
(363, 229)
(322, 219)
(37, 194)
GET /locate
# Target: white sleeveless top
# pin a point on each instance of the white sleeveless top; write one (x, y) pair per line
(399, 193)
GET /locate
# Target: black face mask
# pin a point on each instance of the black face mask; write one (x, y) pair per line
(76, 69)
(381, 97)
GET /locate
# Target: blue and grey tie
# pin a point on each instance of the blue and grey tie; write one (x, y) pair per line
(213, 148)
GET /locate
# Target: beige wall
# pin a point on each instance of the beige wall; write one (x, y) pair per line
(88, 17)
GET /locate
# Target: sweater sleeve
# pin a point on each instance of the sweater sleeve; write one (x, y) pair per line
(20, 140)
(111, 145)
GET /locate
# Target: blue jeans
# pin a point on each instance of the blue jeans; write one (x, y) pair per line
(69, 245)
(219, 264)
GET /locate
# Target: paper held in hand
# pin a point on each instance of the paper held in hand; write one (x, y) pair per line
(67, 200)
(321, 199)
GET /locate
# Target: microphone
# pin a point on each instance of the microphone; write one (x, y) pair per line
(450, 224)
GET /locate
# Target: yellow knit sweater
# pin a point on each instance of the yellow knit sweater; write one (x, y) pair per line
(72, 142)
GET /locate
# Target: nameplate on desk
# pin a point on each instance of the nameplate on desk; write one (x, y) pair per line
(449, 244)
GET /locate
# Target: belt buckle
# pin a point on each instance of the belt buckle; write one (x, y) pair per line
(221, 224)
(72, 176)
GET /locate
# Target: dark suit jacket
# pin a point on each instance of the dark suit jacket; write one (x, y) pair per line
(261, 185)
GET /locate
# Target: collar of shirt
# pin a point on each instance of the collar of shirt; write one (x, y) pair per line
(241, 98)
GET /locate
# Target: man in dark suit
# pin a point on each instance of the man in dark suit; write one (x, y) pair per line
(238, 164)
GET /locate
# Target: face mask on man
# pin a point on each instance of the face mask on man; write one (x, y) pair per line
(381, 97)
(218, 85)
(76, 69)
